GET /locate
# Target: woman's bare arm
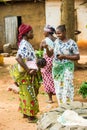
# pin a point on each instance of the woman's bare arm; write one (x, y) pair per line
(20, 61)
(69, 57)
(44, 45)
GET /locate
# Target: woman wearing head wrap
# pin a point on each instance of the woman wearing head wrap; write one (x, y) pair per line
(47, 70)
(26, 78)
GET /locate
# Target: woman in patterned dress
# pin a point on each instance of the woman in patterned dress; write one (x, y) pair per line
(47, 70)
(65, 53)
(26, 78)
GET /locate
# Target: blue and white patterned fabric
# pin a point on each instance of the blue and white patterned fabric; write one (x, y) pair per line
(67, 48)
(26, 50)
(63, 70)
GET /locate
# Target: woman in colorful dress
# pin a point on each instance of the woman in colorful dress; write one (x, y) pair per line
(47, 70)
(65, 53)
(26, 78)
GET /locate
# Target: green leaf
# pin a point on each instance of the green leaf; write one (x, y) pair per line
(83, 89)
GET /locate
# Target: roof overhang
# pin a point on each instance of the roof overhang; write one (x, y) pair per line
(22, 0)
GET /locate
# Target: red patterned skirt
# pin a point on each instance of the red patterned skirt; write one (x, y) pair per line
(47, 75)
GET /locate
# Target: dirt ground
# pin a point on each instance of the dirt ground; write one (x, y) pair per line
(10, 118)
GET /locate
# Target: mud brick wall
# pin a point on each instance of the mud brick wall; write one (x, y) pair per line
(32, 13)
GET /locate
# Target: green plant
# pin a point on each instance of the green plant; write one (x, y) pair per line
(83, 89)
(39, 53)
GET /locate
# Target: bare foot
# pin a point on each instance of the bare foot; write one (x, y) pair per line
(13, 88)
(49, 101)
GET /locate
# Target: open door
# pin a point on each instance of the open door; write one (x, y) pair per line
(11, 30)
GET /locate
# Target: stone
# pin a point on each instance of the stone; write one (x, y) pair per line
(7, 48)
(48, 121)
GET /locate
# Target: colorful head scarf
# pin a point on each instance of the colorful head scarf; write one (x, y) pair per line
(49, 28)
(23, 29)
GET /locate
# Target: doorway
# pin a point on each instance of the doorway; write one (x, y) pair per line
(11, 30)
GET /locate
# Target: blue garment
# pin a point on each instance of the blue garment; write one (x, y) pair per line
(65, 48)
(28, 84)
(26, 50)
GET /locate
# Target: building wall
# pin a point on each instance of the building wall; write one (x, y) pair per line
(81, 19)
(30, 12)
(53, 14)
(39, 13)
(52, 10)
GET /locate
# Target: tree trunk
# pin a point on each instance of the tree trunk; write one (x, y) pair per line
(68, 17)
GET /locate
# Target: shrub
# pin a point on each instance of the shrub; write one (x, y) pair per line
(83, 89)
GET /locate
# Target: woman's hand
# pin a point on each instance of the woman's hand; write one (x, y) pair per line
(32, 72)
(69, 57)
(28, 71)
(43, 44)
(48, 51)
(59, 56)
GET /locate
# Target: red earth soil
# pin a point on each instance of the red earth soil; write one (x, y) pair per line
(10, 118)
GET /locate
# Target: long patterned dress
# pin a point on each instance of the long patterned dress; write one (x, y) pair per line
(63, 71)
(47, 70)
(29, 85)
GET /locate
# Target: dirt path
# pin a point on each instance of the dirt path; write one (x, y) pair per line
(10, 118)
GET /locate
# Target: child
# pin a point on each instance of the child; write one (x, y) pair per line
(41, 62)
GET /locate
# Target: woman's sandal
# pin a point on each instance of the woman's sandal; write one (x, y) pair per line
(32, 119)
(25, 116)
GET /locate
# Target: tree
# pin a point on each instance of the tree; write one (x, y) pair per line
(68, 17)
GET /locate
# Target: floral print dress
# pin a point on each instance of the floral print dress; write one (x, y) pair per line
(63, 70)
(29, 85)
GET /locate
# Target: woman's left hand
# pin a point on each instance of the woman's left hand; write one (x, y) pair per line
(32, 72)
(73, 57)
(61, 56)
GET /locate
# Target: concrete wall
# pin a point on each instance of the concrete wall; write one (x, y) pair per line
(52, 10)
(30, 12)
(82, 19)
(53, 15)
